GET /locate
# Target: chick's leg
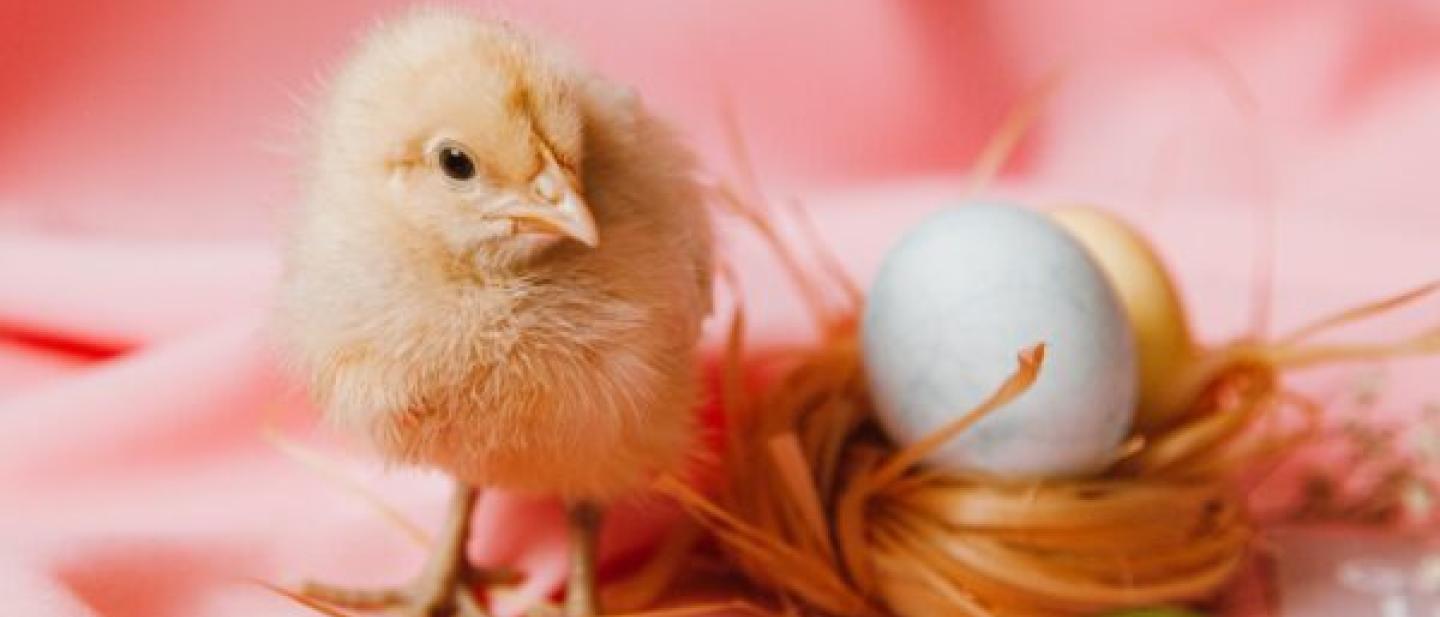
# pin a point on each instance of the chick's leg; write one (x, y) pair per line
(439, 589)
(442, 590)
(581, 599)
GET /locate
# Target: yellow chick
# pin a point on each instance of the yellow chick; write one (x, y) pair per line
(499, 271)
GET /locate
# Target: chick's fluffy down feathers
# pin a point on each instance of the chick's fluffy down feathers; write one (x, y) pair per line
(571, 374)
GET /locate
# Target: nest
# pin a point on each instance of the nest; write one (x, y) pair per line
(818, 509)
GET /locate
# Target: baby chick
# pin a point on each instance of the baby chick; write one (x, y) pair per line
(499, 271)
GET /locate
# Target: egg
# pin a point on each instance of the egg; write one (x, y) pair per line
(954, 302)
(1163, 343)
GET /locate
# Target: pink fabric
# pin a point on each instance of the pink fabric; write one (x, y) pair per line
(145, 154)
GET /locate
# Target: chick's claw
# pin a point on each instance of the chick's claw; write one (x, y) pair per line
(354, 598)
(423, 599)
(443, 588)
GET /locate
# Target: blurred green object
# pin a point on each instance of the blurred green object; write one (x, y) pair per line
(1155, 612)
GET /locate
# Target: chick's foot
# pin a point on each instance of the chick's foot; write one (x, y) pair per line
(443, 589)
(433, 595)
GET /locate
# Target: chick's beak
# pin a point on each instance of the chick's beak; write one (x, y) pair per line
(555, 206)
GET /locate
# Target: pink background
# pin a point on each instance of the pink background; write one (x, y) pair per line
(146, 150)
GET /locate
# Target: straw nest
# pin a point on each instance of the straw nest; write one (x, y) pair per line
(820, 509)
(817, 508)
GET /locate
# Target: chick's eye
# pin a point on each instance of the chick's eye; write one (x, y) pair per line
(455, 162)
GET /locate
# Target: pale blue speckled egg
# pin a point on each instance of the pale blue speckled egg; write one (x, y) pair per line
(956, 300)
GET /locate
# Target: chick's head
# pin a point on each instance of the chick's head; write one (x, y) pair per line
(466, 130)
